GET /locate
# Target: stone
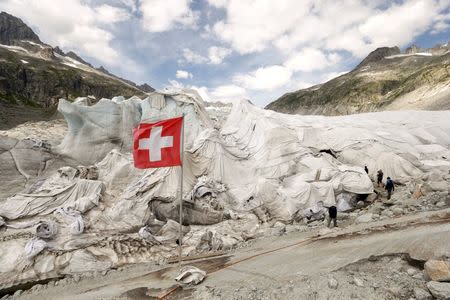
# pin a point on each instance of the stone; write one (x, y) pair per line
(411, 271)
(437, 270)
(332, 283)
(439, 290)
(441, 204)
(421, 294)
(360, 204)
(358, 282)
(365, 218)
(279, 224)
(397, 211)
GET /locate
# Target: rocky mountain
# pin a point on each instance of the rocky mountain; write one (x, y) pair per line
(385, 80)
(34, 74)
(13, 29)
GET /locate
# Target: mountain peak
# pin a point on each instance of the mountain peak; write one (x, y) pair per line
(73, 55)
(14, 29)
(379, 54)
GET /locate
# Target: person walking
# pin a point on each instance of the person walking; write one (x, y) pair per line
(366, 169)
(389, 187)
(379, 177)
(332, 215)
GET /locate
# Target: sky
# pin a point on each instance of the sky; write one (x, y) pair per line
(232, 49)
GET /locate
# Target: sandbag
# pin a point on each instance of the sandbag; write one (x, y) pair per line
(34, 247)
(190, 275)
(77, 224)
(47, 230)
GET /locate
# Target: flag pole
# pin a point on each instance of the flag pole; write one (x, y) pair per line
(181, 192)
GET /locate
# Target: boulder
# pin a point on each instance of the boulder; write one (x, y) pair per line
(397, 211)
(360, 204)
(421, 294)
(439, 290)
(437, 270)
(358, 282)
(411, 271)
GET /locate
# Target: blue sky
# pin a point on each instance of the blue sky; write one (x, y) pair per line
(232, 49)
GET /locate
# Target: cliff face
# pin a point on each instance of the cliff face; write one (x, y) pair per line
(13, 29)
(384, 80)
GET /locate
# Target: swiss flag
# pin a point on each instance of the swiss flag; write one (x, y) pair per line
(157, 144)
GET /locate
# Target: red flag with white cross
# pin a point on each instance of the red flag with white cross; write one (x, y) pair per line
(158, 144)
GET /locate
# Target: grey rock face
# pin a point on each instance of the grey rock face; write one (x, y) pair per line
(378, 54)
(73, 55)
(421, 294)
(12, 28)
(439, 290)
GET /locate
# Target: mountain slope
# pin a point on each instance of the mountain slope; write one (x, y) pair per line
(385, 80)
(13, 29)
(35, 74)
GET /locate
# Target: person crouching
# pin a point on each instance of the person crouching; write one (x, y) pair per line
(332, 215)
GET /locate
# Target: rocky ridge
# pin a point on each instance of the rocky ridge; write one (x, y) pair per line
(385, 80)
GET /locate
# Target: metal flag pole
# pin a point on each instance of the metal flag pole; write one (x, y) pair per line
(181, 191)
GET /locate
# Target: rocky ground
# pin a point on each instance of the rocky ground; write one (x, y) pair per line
(378, 251)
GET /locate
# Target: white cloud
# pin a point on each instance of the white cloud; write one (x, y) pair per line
(265, 78)
(218, 3)
(183, 74)
(109, 14)
(163, 15)
(399, 24)
(217, 54)
(357, 26)
(442, 23)
(310, 59)
(70, 24)
(251, 25)
(176, 84)
(193, 57)
(228, 93)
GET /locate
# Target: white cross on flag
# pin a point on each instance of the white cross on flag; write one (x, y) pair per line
(157, 144)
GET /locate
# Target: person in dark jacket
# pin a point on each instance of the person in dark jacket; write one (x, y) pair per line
(379, 177)
(389, 187)
(366, 169)
(332, 215)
